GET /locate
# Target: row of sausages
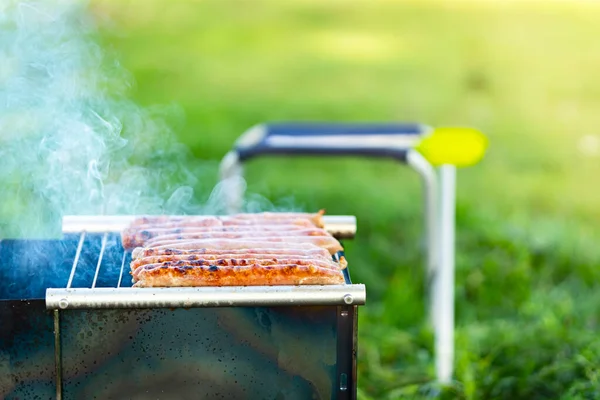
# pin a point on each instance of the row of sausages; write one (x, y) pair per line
(238, 250)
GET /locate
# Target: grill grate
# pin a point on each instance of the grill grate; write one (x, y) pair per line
(122, 269)
(111, 263)
(76, 260)
(100, 259)
(87, 270)
(99, 262)
(99, 278)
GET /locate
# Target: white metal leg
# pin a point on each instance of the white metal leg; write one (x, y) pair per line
(444, 284)
(432, 223)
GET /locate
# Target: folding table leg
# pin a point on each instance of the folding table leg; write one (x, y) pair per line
(444, 284)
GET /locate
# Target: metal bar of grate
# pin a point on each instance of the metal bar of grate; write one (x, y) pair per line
(340, 226)
(217, 296)
(76, 260)
(122, 268)
(100, 258)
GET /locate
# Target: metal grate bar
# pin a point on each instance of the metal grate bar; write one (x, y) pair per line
(214, 296)
(57, 355)
(100, 259)
(340, 226)
(122, 267)
(76, 260)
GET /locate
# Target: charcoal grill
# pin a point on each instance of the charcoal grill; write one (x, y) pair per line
(72, 327)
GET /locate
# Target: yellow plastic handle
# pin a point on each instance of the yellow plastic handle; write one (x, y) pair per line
(461, 147)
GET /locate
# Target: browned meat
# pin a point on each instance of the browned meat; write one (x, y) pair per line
(327, 242)
(138, 231)
(246, 256)
(239, 250)
(309, 251)
(316, 219)
(252, 275)
(135, 237)
(251, 222)
(240, 262)
(187, 236)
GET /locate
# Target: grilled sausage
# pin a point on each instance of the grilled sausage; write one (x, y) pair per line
(244, 256)
(136, 236)
(240, 262)
(309, 251)
(252, 275)
(316, 219)
(187, 236)
(327, 242)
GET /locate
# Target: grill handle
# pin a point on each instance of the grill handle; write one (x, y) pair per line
(384, 140)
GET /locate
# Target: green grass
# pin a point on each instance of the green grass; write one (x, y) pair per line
(525, 74)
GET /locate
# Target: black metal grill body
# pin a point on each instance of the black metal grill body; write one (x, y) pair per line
(281, 352)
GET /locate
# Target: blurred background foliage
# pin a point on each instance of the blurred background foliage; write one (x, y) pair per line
(525, 73)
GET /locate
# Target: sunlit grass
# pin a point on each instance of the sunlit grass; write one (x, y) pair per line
(523, 72)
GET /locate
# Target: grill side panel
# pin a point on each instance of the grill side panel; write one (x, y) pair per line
(200, 353)
(27, 368)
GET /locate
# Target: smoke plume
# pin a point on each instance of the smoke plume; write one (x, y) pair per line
(71, 142)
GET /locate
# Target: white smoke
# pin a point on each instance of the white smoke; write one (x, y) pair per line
(72, 143)
(70, 140)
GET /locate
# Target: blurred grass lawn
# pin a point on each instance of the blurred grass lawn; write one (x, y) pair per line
(524, 73)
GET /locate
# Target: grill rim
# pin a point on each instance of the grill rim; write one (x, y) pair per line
(339, 226)
(187, 297)
(191, 297)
